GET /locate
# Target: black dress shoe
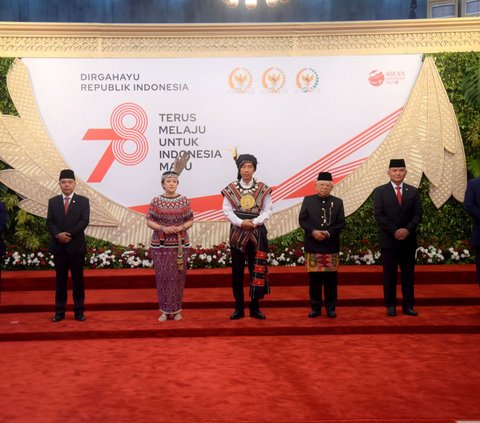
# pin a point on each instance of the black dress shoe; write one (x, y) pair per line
(314, 313)
(80, 317)
(58, 317)
(409, 311)
(237, 314)
(331, 314)
(391, 311)
(257, 314)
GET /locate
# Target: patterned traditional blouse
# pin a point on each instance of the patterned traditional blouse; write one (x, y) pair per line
(169, 211)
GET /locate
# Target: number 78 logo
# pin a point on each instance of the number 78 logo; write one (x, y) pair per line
(120, 135)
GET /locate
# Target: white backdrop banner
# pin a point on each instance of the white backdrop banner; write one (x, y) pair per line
(119, 123)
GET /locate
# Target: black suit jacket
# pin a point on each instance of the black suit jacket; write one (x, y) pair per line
(391, 216)
(75, 222)
(325, 214)
(472, 206)
(3, 224)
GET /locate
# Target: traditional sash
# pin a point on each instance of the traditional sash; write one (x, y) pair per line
(239, 238)
(259, 284)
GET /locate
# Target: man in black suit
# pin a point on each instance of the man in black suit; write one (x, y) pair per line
(398, 211)
(322, 217)
(68, 216)
(3, 224)
(472, 206)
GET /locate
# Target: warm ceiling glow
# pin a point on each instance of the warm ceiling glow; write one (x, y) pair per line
(271, 3)
(231, 3)
(252, 4)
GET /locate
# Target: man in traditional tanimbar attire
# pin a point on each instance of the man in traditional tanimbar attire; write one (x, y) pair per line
(247, 204)
(322, 217)
(398, 211)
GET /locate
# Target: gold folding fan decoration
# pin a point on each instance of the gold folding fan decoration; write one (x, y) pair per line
(427, 136)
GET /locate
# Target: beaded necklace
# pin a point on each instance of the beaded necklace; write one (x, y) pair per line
(245, 191)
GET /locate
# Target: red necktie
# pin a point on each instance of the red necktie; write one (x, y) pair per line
(399, 194)
(67, 200)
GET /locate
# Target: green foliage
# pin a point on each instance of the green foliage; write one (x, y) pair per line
(473, 164)
(25, 231)
(293, 238)
(30, 231)
(6, 104)
(445, 227)
(471, 85)
(361, 232)
(98, 243)
(452, 68)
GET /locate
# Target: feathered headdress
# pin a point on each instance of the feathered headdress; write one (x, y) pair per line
(180, 162)
(178, 165)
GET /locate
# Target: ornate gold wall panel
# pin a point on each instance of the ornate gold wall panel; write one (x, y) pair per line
(105, 40)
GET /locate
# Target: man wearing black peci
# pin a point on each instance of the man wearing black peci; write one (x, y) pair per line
(398, 212)
(247, 204)
(67, 218)
(322, 217)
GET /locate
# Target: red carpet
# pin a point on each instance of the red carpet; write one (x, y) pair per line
(383, 378)
(280, 276)
(121, 365)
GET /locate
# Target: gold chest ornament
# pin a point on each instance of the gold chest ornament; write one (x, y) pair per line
(247, 202)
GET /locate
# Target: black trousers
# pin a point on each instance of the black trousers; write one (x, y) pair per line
(329, 281)
(238, 268)
(392, 259)
(477, 263)
(63, 264)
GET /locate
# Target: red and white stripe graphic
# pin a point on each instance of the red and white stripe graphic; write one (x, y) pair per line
(289, 188)
(338, 173)
(334, 157)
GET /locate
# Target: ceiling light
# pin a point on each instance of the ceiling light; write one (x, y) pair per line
(252, 4)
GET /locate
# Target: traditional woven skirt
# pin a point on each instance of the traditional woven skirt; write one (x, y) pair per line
(170, 280)
(317, 262)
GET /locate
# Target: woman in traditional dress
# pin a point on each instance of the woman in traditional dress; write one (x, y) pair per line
(170, 216)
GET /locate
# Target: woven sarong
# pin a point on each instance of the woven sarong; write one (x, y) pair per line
(318, 262)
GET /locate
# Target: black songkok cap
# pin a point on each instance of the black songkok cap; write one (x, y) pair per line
(324, 176)
(243, 158)
(397, 163)
(67, 174)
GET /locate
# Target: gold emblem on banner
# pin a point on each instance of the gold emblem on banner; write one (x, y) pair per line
(247, 202)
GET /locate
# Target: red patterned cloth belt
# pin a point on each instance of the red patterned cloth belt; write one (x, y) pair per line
(322, 262)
